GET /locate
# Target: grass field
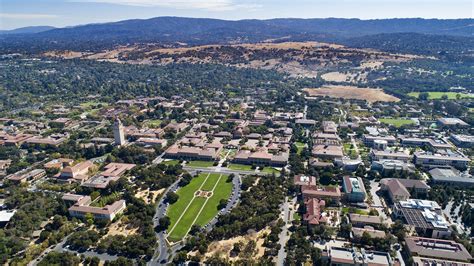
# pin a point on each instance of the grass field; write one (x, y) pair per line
(154, 123)
(200, 164)
(436, 95)
(241, 167)
(189, 210)
(346, 210)
(397, 122)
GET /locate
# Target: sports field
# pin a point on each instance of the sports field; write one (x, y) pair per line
(397, 122)
(436, 95)
(197, 209)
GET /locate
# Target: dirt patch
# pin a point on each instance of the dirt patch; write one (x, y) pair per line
(223, 247)
(203, 194)
(119, 228)
(149, 196)
(338, 77)
(351, 92)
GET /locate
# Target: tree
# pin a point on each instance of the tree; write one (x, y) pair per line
(163, 223)
(56, 258)
(172, 197)
(398, 229)
(89, 218)
(423, 96)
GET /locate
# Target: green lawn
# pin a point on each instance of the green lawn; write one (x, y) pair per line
(186, 194)
(222, 190)
(186, 221)
(154, 123)
(271, 170)
(210, 182)
(240, 167)
(171, 162)
(436, 95)
(346, 210)
(397, 122)
(200, 164)
(299, 146)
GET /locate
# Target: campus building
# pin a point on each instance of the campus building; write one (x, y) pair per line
(112, 172)
(29, 176)
(462, 141)
(82, 207)
(424, 216)
(354, 189)
(78, 172)
(441, 160)
(339, 256)
(437, 249)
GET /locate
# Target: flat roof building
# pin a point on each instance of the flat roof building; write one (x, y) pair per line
(441, 160)
(462, 141)
(437, 248)
(424, 216)
(449, 176)
(351, 256)
(451, 122)
(24, 177)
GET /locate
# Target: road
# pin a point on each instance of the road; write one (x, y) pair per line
(377, 202)
(356, 148)
(161, 253)
(224, 170)
(287, 216)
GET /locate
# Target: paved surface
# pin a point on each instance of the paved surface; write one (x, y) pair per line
(378, 203)
(356, 148)
(224, 170)
(287, 216)
(161, 253)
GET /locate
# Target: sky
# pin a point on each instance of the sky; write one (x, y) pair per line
(62, 13)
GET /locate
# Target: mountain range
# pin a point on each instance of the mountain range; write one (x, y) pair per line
(169, 31)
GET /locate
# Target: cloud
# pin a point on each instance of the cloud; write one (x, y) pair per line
(211, 5)
(26, 16)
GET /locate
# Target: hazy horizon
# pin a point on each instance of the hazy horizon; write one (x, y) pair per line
(65, 13)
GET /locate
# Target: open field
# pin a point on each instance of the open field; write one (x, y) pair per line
(397, 122)
(436, 95)
(200, 163)
(191, 209)
(351, 92)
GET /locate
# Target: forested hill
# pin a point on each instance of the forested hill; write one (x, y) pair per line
(198, 31)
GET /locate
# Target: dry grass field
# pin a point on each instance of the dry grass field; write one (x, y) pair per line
(298, 59)
(351, 92)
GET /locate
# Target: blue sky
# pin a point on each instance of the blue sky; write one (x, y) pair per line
(61, 13)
